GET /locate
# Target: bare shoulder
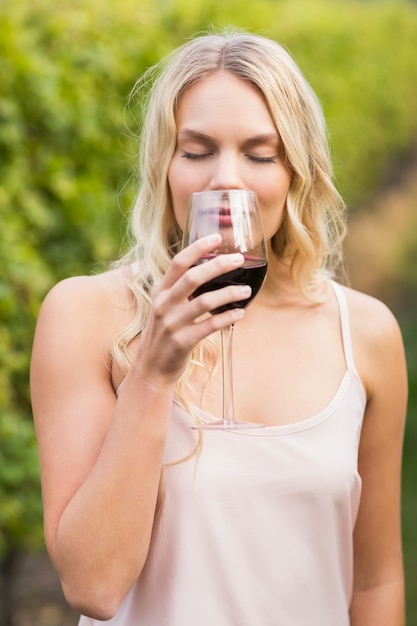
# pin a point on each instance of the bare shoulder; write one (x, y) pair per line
(100, 301)
(376, 336)
(368, 315)
(108, 288)
(77, 324)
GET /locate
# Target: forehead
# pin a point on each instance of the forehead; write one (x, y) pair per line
(223, 94)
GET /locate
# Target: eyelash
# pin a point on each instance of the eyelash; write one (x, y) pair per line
(196, 157)
(261, 159)
(200, 157)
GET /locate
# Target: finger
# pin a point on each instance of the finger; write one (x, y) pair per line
(218, 300)
(202, 273)
(209, 325)
(188, 257)
(191, 312)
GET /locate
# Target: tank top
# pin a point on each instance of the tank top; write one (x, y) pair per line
(256, 527)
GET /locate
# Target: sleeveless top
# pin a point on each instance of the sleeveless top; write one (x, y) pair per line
(257, 526)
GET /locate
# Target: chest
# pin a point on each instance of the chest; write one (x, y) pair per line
(286, 367)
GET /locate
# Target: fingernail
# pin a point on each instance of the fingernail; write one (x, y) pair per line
(236, 258)
(239, 313)
(246, 290)
(214, 238)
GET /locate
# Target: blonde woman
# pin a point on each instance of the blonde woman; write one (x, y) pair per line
(149, 522)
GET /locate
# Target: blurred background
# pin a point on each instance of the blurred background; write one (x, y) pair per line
(67, 175)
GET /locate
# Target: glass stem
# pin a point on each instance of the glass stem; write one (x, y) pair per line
(228, 406)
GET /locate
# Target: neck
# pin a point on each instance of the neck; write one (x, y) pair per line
(280, 288)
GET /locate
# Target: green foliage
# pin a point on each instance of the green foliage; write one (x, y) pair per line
(21, 508)
(360, 59)
(65, 155)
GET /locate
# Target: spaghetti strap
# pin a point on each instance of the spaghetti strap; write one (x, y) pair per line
(117, 391)
(347, 340)
(345, 326)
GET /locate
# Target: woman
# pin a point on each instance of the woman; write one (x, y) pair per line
(148, 522)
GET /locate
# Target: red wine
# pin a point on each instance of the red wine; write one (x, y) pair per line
(252, 273)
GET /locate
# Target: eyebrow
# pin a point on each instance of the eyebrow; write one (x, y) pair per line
(267, 138)
(264, 138)
(194, 134)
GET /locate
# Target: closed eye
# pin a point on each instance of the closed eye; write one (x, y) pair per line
(257, 159)
(196, 157)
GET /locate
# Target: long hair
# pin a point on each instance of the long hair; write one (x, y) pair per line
(310, 237)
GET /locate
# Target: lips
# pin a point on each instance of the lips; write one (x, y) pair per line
(225, 218)
(221, 216)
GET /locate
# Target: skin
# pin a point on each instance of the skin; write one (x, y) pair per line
(213, 154)
(101, 457)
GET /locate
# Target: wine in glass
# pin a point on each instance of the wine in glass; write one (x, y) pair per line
(235, 215)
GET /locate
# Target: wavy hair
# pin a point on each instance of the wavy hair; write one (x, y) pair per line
(310, 238)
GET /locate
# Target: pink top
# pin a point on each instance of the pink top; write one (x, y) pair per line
(256, 529)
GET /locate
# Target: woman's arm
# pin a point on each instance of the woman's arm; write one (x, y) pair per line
(101, 457)
(378, 594)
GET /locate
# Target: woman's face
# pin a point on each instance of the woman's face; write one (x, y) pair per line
(226, 139)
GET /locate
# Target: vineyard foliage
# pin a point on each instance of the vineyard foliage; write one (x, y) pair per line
(68, 150)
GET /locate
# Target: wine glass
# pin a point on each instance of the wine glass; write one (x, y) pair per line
(235, 215)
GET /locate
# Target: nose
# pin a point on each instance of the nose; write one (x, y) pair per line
(226, 172)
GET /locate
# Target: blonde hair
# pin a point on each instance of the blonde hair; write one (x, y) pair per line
(311, 235)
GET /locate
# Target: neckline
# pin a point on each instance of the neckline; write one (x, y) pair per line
(285, 428)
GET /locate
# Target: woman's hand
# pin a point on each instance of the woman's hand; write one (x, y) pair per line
(178, 321)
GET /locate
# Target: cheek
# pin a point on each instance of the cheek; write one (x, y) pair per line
(272, 221)
(274, 207)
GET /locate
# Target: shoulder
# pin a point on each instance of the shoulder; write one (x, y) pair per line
(90, 288)
(376, 336)
(80, 295)
(84, 307)
(77, 325)
(370, 318)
